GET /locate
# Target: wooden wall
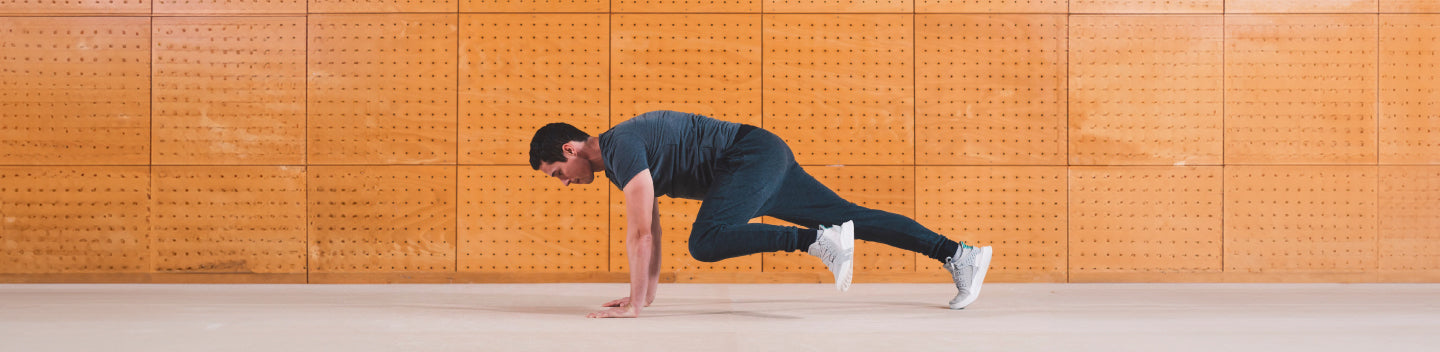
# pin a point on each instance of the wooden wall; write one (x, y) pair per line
(385, 141)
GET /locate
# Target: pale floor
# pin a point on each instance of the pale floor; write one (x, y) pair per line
(702, 317)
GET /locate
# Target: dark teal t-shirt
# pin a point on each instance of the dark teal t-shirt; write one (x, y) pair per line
(680, 149)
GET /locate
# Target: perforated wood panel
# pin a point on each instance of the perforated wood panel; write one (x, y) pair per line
(229, 90)
(75, 90)
(702, 64)
(838, 88)
(521, 71)
(1410, 89)
(1409, 224)
(168, 140)
(382, 218)
(534, 6)
(686, 6)
(382, 89)
(1146, 223)
(231, 7)
(92, 219)
(1409, 6)
(385, 6)
(838, 6)
(514, 219)
(75, 6)
(1301, 6)
(1147, 6)
(990, 89)
(1310, 222)
(992, 6)
(885, 188)
(676, 219)
(229, 219)
(1019, 211)
(1146, 90)
(1300, 89)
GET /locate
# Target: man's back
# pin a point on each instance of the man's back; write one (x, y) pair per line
(680, 149)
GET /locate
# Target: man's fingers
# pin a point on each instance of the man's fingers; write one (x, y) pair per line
(611, 313)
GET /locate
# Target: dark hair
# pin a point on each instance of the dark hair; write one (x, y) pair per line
(545, 147)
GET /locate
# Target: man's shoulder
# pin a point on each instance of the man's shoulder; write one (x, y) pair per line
(641, 124)
(653, 116)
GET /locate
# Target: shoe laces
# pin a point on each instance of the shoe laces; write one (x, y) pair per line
(825, 249)
(954, 263)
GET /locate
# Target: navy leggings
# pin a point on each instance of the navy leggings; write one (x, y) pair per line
(757, 175)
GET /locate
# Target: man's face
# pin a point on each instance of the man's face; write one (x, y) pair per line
(572, 170)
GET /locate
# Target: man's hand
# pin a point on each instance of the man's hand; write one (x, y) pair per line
(627, 311)
(623, 302)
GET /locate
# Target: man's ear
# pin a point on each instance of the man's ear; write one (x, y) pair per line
(567, 148)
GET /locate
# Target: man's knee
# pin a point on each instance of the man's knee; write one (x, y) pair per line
(702, 243)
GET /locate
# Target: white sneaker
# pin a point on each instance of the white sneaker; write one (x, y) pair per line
(835, 246)
(967, 267)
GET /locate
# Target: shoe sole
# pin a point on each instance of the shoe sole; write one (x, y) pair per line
(982, 262)
(847, 267)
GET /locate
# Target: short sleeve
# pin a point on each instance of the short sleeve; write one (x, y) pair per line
(624, 158)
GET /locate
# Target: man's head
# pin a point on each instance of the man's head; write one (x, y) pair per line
(557, 150)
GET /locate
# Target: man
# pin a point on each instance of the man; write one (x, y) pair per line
(739, 172)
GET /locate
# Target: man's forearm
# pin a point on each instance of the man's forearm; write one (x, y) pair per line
(641, 248)
(654, 253)
(654, 279)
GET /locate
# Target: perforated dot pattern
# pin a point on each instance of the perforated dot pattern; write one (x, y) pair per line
(752, 6)
(229, 219)
(991, 89)
(1146, 90)
(514, 219)
(884, 188)
(382, 218)
(1302, 6)
(75, 219)
(386, 6)
(521, 71)
(229, 90)
(1300, 219)
(231, 7)
(838, 88)
(535, 6)
(1147, 6)
(75, 7)
(834, 6)
(996, 6)
(1164, 221)
(382, 89)
(1300, 89)
(1019, 210)
(703, 64)
(370, 141)
(1410, 89)
(75, 91)
(1409, 229)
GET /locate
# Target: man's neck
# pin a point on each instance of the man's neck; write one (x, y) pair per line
(596, 158)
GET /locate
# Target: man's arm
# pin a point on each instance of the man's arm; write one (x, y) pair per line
(655, 256)
(640, 244)
(655, 251)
